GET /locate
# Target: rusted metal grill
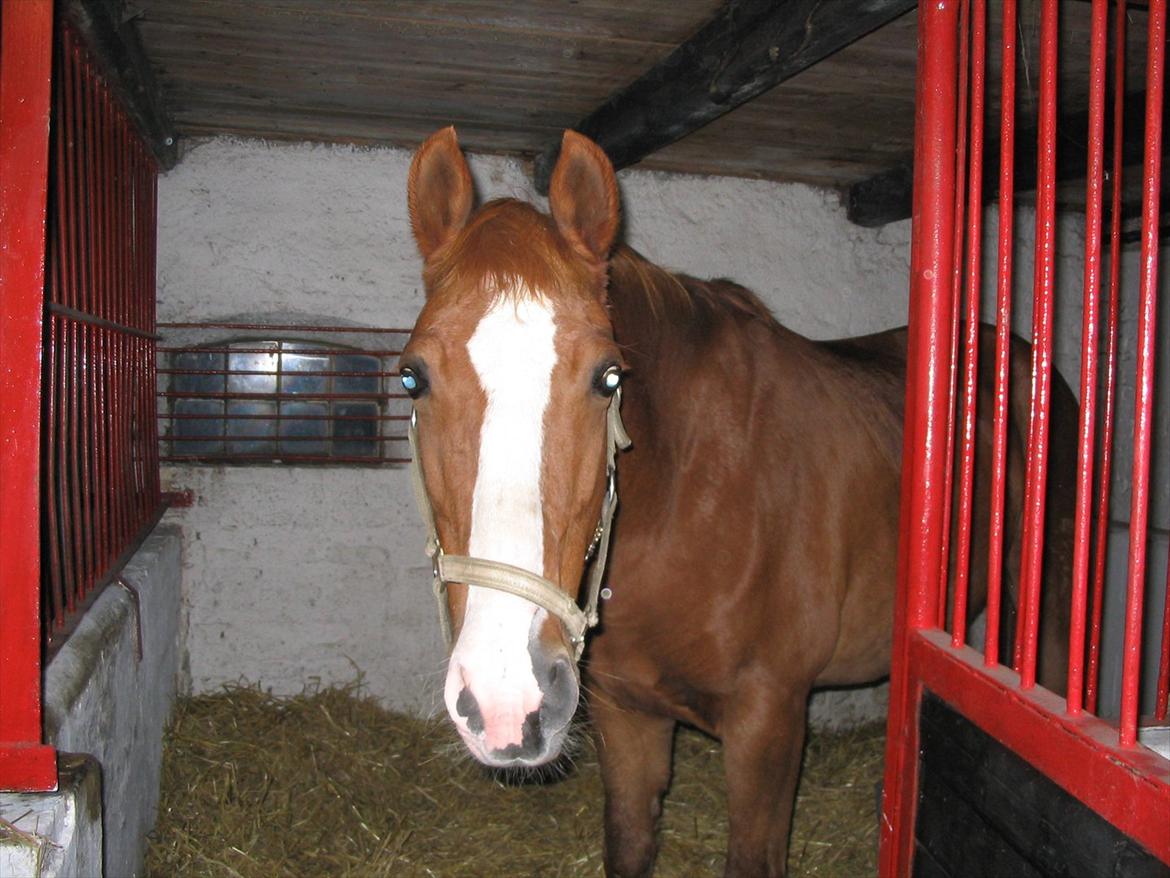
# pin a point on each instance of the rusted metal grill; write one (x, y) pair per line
(100, 486)
(1102, 763)
(281, 393)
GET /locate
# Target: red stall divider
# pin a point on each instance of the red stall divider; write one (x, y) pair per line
(1103, 765)
(80, 458)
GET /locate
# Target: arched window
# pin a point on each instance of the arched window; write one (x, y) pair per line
(291, 401)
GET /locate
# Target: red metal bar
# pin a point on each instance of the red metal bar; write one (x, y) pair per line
(1082, 535)
(197, 416)
(1144, 401)
(285, 397)
(322, 374)
(1162, 690)
(956, 300)
(283, 456)
(1003, 330)
(1031, 561)
(243, 349)
(26, 31)
(971, 341)
(290, 327)
(924, 448)
(106, 256)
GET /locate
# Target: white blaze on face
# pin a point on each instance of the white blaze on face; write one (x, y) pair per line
(513, 354)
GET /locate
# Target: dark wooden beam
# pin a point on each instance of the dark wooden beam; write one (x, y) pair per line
(112, 37)
(887, 197)
(750, 46)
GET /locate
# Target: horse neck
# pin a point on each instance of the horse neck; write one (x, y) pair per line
(667, 325)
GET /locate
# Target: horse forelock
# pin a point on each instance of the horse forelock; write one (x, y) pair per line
(509, 248)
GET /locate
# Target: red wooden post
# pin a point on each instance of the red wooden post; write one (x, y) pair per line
(26, 39)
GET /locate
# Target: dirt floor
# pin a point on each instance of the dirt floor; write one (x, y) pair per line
(330, 784)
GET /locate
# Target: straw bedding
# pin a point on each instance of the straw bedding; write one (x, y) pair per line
(330, 784)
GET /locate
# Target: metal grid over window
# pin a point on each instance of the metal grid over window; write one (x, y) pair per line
(284, 394)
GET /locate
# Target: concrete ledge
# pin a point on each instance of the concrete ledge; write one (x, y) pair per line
(54, 835)
(105, 698)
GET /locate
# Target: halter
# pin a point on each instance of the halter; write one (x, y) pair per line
(516, 580)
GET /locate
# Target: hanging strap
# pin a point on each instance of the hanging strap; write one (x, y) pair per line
(515, 580)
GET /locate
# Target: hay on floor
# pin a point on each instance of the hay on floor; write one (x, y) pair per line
(330, 784)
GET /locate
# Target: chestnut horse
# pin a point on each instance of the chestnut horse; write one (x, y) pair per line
(753, 557)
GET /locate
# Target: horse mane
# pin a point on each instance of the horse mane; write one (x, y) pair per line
(697, 306)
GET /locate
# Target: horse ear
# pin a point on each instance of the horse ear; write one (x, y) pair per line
(583, 197)
(439, 191)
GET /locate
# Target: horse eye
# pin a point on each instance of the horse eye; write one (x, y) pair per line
(412, 382)
(608, 380)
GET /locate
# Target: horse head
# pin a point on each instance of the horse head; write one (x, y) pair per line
(513, 370)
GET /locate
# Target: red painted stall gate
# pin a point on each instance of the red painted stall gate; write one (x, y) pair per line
(988, 773)
(79, 480)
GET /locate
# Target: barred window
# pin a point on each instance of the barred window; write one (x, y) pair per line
(291, 401)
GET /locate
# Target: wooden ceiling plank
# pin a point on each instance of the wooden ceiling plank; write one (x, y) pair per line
(749, 47)
(662, 21)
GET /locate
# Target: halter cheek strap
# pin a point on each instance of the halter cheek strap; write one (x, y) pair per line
(516, 580)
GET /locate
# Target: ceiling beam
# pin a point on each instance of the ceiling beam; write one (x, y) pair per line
(748, 47)
(887, 197)
(115, 42)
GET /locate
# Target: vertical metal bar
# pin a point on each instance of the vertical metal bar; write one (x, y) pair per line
(118, 373)
(100, 429)
(924, 447)
(1082, 535)
(86, 417)
(1031, 561)
(1162, 690)
(1144, 401)
(55, 583)
(151, 427)
(26, 31)
(956, 271)
(971, 342)
(1003, 331)
(66, 462)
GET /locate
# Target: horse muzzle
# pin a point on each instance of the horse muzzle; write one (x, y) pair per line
(513, 719)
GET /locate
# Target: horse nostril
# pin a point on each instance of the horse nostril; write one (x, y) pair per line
(559, 689)
(468, 708)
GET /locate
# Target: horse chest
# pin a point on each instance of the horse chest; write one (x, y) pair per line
(649, 672)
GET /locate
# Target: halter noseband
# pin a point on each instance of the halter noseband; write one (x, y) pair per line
(516, 580)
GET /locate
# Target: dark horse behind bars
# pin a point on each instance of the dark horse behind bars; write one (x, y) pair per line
(754, 554)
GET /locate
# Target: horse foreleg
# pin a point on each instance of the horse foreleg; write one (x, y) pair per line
(634, 749)
(762, 743)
